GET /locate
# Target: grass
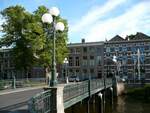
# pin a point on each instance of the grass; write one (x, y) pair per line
(142, 93)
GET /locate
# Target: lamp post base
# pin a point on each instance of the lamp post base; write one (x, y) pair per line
(53, 83)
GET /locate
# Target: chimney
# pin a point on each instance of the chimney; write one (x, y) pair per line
(83, 40)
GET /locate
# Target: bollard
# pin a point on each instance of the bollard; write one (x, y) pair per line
(14, 82)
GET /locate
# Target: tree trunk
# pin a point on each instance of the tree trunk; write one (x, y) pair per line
(26, 73)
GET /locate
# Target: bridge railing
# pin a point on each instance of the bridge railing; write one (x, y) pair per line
(95, 84)
(41, 103)
(45, 102)
(74, 90)
(109, 81)
(85, 87)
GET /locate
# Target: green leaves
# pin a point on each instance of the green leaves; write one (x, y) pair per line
(29, 38)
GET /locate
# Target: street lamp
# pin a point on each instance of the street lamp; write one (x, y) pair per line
(66, 71)
(49, 18)
(139, 72)
(115, 60)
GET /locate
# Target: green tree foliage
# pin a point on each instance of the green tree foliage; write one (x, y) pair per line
(45, 54)
(30, 39)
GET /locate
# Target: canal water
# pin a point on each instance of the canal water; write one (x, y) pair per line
(122, 104)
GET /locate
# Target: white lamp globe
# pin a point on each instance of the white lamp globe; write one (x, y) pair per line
(47, 18)
(60, 26)
(114, 58)
(66, 61)
(54, 11)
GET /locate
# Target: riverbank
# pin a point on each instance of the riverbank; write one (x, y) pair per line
(142, 93)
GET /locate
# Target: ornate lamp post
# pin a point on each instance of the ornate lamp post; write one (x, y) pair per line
(66, 70)
(139, 72)
(49, 18)
(115, 60)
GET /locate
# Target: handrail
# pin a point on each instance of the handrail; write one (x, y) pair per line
(45, 102)
(74, 90)
(41, 103)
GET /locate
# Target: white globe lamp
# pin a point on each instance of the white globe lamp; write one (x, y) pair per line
(47, 18)
(60, 26)
(54, 11)
(114, 58)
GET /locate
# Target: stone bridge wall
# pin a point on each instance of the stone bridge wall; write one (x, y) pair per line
(120, 88)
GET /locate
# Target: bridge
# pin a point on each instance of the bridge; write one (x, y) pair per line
(57, 99)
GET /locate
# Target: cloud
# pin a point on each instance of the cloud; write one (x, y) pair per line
(95, 14)
(133, 20)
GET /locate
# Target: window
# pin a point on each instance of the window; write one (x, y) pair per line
(77, 73)
(91, 49)
(99, 50)
(84, 61)
(91, 60)
(77, 61)
(85, 75)
(77, 50)
(71, 73)
(70, 61)
(116, 49)
(91, 57)
(98, 60)
(104, 49)
(120, 48)
(111, 49)
(107, 49)
(99, 74)
(129, 48)
(84, 49)
(91, 71)
(146, 47)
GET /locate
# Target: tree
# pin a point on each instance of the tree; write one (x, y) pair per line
(45, 54)
(27, 36)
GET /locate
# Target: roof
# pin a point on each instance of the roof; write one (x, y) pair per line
(116, 38)
(138, 36)
(85, 44)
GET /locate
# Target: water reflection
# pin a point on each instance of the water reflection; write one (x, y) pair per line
(126, 104)
(121, 104)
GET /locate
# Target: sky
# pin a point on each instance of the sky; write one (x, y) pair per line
(95, 20)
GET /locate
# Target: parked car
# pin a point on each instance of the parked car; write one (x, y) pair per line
(74, 79)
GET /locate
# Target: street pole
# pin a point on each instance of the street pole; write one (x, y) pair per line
(139, 74)
(53, 79)
(51, 18)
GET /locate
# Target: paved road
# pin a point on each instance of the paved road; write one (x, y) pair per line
(16, 101)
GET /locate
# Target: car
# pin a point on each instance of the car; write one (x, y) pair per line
(74, 79)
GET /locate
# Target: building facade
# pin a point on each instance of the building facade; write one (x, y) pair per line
(95, 59)
(7, 67)
(132, 56)
(85, 60)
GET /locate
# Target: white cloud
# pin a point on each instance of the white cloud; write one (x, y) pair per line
(135, 19)
(94, 14)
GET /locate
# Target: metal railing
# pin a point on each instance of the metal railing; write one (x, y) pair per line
(4, 84)
(45, 102)
(41, 103)
(75, 90)
(19, 83)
